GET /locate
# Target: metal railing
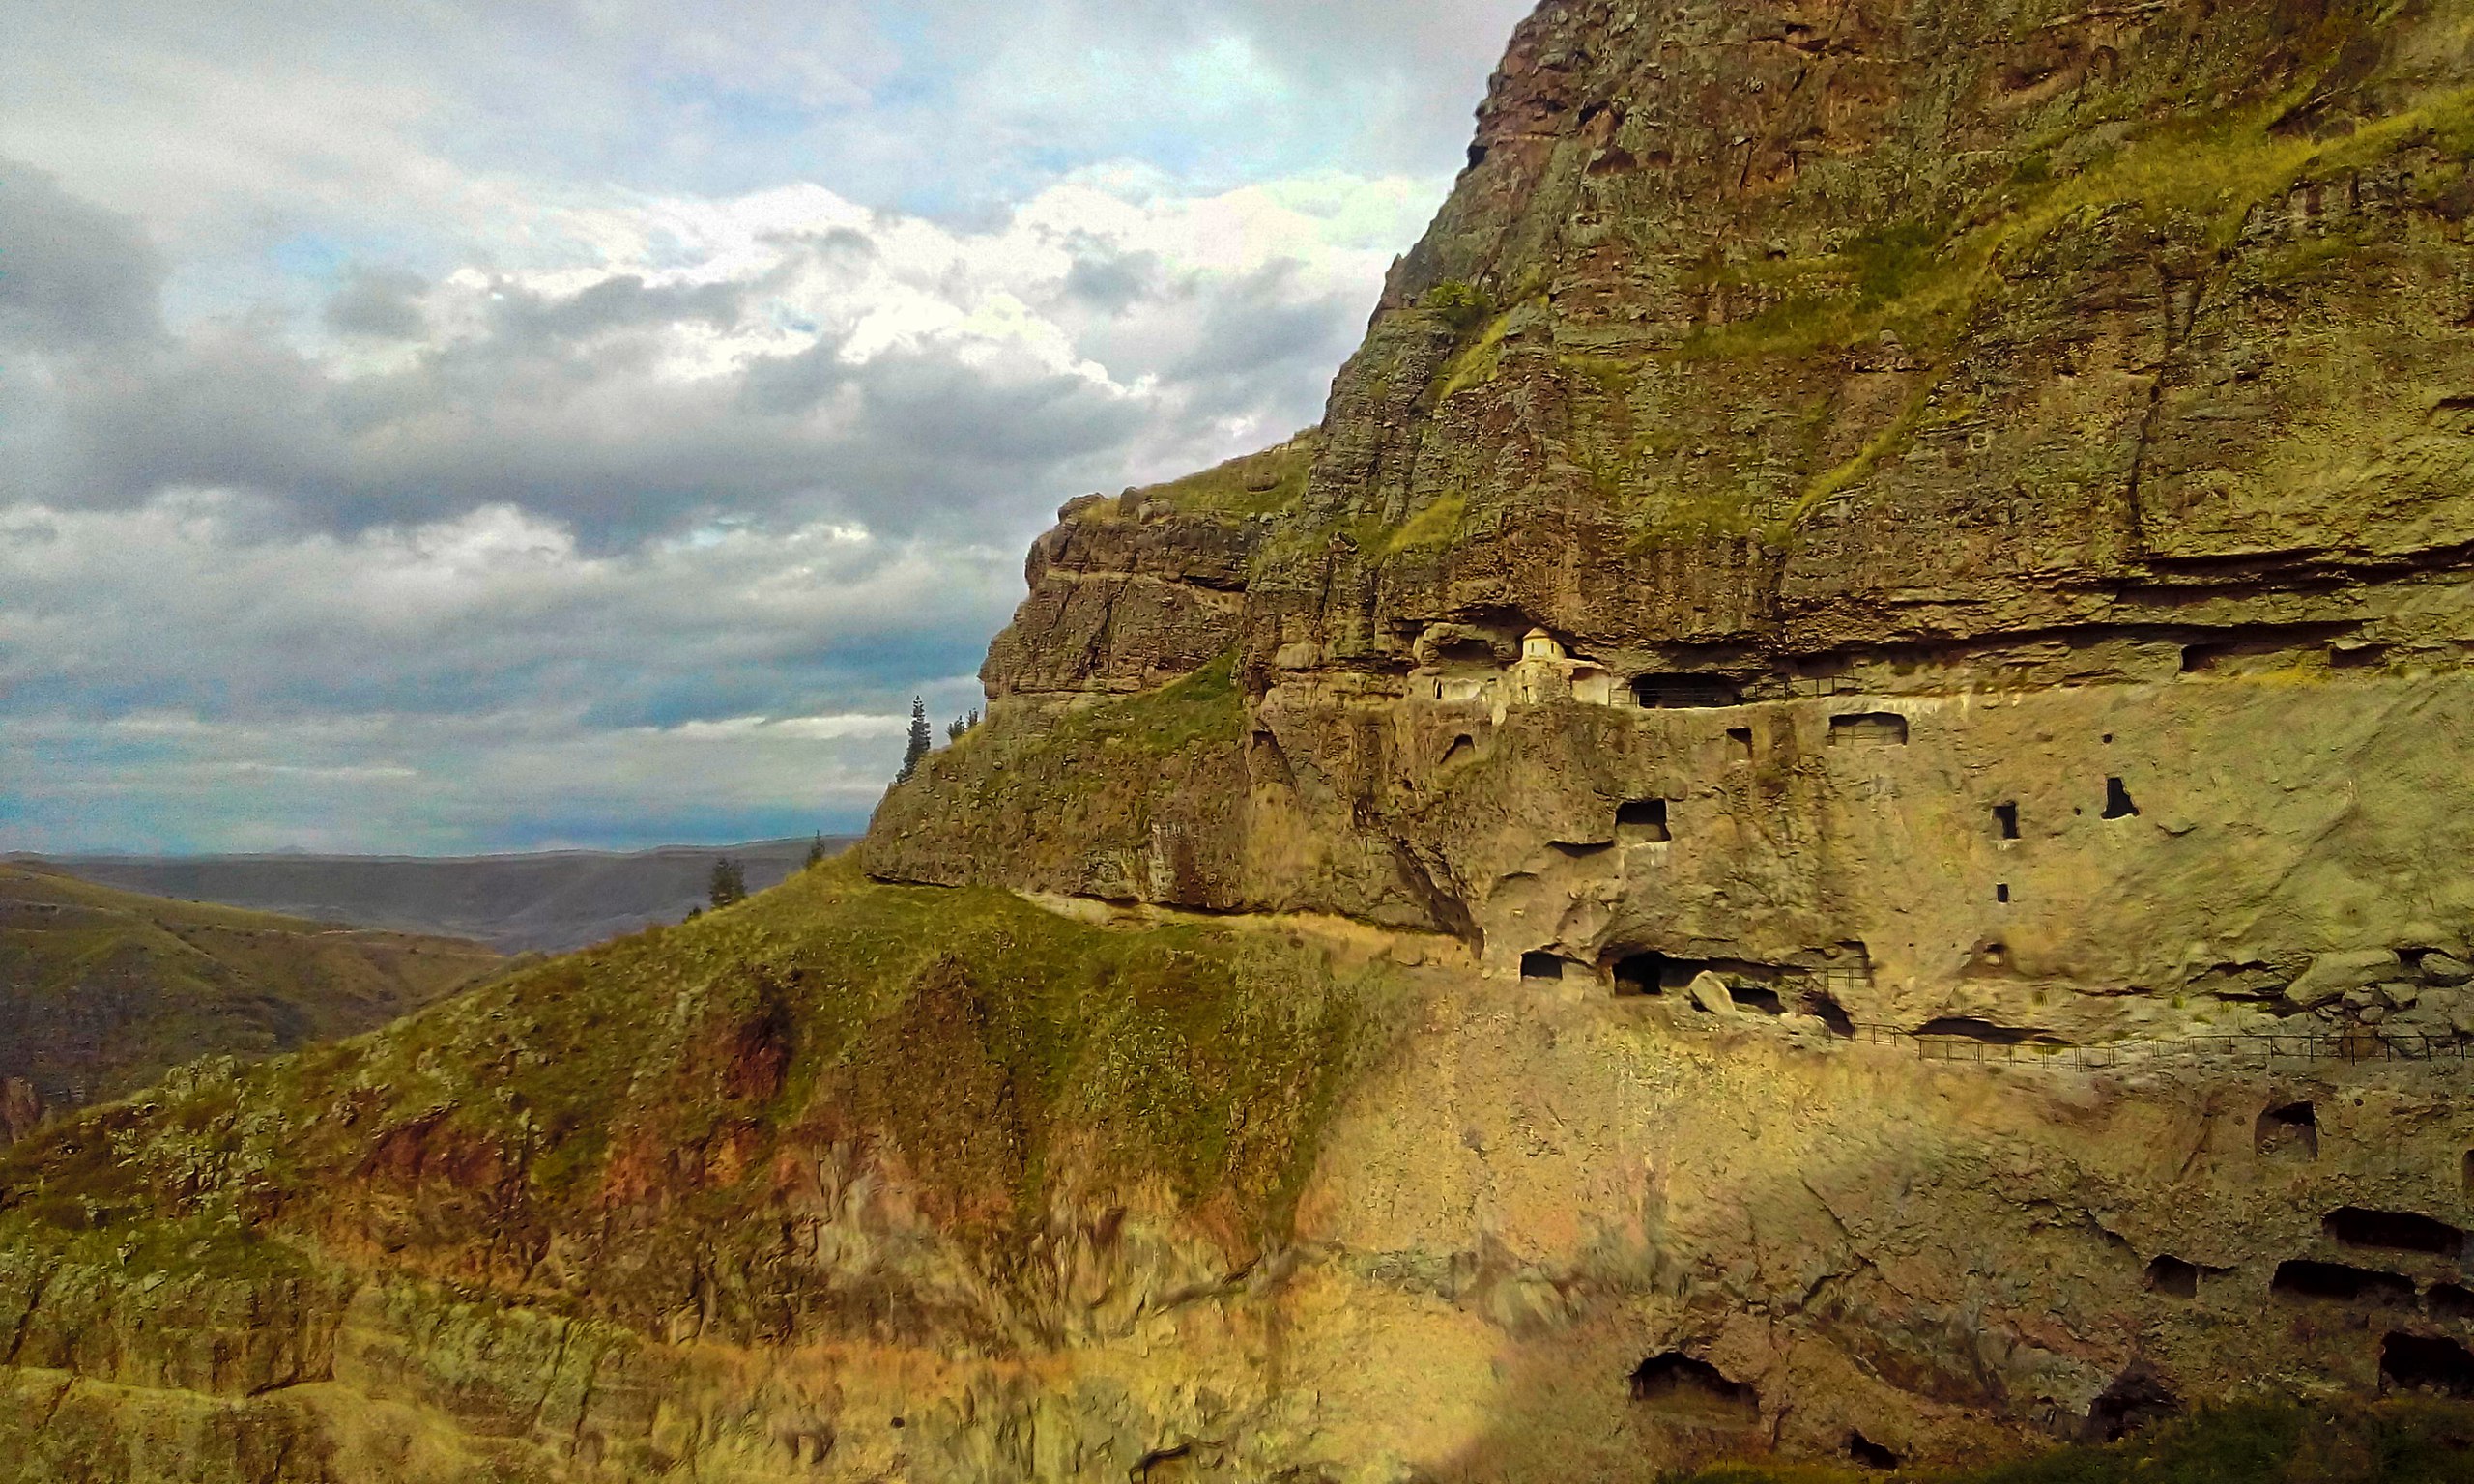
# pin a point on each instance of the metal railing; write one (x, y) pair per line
(2243, 1047)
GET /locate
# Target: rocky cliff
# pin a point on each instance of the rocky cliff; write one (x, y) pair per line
(1823, 821)
(1981, 491)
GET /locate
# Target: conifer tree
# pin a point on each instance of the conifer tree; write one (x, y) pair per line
(729, 883)
(921, 740)
(816, 851)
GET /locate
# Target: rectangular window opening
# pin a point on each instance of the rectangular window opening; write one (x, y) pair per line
(1643, 820)
(1870, 728)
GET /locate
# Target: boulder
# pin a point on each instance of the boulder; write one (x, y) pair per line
(1709, 992)
(2332, 976)
(2446, 969)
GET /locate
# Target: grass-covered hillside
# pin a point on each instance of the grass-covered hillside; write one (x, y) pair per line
(651, 1111)
(101, 990)
(551, 901)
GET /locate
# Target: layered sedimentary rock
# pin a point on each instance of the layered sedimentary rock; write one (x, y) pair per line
(910, 1183)
(1806, 827)
(1985, 491)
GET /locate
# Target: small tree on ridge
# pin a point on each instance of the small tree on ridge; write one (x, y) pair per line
(729, 884)
(921, 740)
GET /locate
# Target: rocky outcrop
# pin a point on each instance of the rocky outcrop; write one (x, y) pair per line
(912, 1183)
(1866, 535)
(1823, 821)
(20, 1109)
(1125, 596)
(1985, 477)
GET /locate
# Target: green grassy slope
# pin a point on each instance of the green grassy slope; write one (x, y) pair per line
(102, 990)
(653, 1103)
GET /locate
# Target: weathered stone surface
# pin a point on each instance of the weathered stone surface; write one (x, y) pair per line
(21, 1108)
(1709, 993)
(1861, 519)
(1989, 471)
(2342, 976)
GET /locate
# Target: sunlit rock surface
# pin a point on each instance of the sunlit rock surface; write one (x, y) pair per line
(1824, 819)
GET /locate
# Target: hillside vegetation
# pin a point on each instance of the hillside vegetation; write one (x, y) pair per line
(101, 990)
(550, 902)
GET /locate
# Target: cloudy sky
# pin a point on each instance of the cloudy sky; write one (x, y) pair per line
(434, 426)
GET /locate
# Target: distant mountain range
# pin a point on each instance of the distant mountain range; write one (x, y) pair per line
(549, 902)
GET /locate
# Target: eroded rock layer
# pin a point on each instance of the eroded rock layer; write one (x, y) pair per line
(1824, 819)
(1980, 492)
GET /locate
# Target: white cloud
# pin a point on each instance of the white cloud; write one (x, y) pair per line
(455, 426)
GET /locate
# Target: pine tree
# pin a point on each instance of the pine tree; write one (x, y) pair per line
(816, 851)
(729, 884)
(921, 740)
(955, 728)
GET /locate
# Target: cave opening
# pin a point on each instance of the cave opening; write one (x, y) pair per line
(1654, 973)
(1685, 690)
(2394, 1231)
(2118, 801)
(2289, 1129)
(1868, 1454)
(2138, 1397)
(2170, 1275)
(1738, 744)
(1758, 997)
(2002, 891)
(1541, 964)
(2423, 1363)
(1643, 820)
(1641, 974)
(1826, 1008)
(2303, 1277)
(2006, 818)
(1675, 1382)
(1973, 1028)
(2451, 1300)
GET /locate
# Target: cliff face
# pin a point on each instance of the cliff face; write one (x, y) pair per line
(1823, 819)
(1888, 519)
(1918, 437)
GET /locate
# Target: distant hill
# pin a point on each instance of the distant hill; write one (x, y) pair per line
(103, 990)
(548, 902)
